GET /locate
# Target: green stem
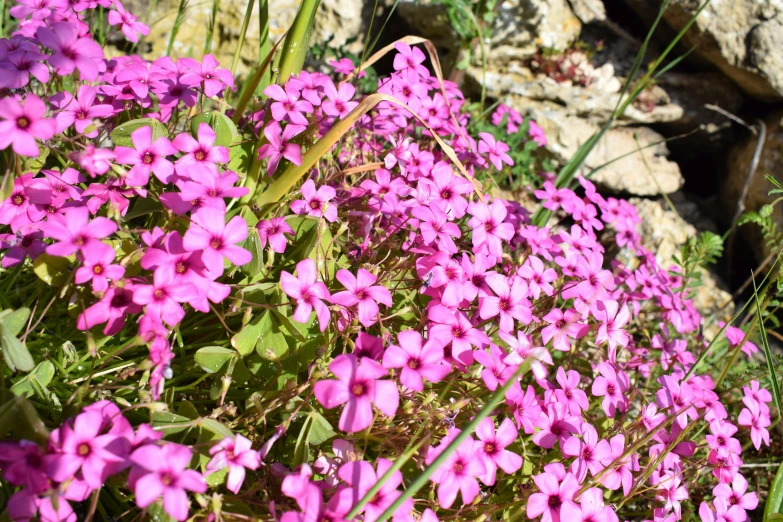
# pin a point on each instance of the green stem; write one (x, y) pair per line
(242, 32)
(297, 40)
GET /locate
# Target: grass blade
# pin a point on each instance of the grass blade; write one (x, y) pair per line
(181, 11)
(767, 352)
(297, 41)
(242, 32)
(775, 499)
(211, 26)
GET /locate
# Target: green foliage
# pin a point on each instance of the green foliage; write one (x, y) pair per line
(697, 253)
(526, 166)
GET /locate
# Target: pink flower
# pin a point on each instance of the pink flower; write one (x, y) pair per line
(361, 477)
(39, 9)
(591, 508)
(489, 227)
(27, 242)
(338, 102)
(200, 156)
(13, 211)
(493, 450)
(98, 268)
(450, 327)
(509, 301)
(127, 21)
(217, 239)
(211, 189)
(76, 232)
(552, 496)
(496, 150)
(569, 392)
(563, 326)
(22, 123)
(358, 386)
(147, 157)
(460, 471)
(81, 446)
(236, 454)
(111, 309)
(410, 59)
(417, 362)
(613, 317)
(207, 73)
(735, 337)
(736, 494)
(94, 161)
(671, 492)
(724, 512)
(525, 406)
(435, 226)
(620, 470)
(279, 146)
(522, 349)
(316, 203)
(307, 292)
(752, 417)
(363, 293)
(163, 297)
(80, 111)
(288, 106)
(590, 452)
(537, 276)
(536, 133)
(612, 386)
(71, 51)
(162, 471)
(556, 425)
(345, 66)
(721, 439)
(274, 230)
(495, 372)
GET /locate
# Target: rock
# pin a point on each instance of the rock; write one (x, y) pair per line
(589, 11)
(337, 22)
(519, 29)
(770, 162)
(664, 232)
(742, 38)
(645, 172)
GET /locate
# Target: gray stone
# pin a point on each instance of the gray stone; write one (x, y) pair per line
(742, 38)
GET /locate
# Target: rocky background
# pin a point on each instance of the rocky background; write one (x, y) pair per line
(563, 62)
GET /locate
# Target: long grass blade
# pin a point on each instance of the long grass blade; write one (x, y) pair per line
(181, 11)
(211, 26)
(252, 84)
(297, 41)
(294, 173)
(767, 352)
(242, 33)
(264, 45)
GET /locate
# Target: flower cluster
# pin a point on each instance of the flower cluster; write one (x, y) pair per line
(355, 321)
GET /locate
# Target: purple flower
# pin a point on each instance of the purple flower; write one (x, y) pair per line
(493, 450)
(127, 21)
(19, 65)
(496, 150)
(358, 386)
(98, 268)
(22, 123)
(163, 297)
(338, 102)
(287, 105)
(274, 230)
(162, 471)
(213, 78)
(115, 304)
(458, 474)
(71, 51)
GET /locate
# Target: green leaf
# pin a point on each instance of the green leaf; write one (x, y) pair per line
(271, 342)
(15, 353)
(775, 499)
(169, 422)
(297, 41)
(253, 245)
(52, 270)
(240, 156)
(245, 341)
(142, 207)
(35, 164)
(213, 358)
(41, 376)
(320, 429)
(122, 134)
(225, 131)
(302, 442)
(215, 427)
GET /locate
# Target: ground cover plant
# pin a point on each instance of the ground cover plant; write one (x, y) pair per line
(309, 306)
